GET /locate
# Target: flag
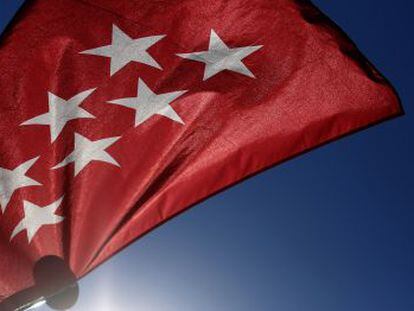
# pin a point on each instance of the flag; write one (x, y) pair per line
(117, 115)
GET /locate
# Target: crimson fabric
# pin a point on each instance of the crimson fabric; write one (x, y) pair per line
(311, 86)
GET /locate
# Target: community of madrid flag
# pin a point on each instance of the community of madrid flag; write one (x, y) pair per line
(116, 115)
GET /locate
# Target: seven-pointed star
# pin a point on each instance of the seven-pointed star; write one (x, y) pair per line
(61, 112)
(124, 50)
(147, 104)
(11, 180)
(36, 217)
(87, 150)
(220, 57)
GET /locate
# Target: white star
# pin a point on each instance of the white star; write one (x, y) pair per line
(124, 50)
(220, 57)
(11, 180)
(147, 104)
(36, 217)
(87, 150)
(61, 112)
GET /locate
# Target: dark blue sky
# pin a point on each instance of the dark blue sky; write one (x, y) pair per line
(329, 230)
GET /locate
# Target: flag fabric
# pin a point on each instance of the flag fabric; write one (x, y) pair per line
(117, 115)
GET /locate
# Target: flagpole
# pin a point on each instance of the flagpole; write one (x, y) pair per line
(50, 300)
(32, 305)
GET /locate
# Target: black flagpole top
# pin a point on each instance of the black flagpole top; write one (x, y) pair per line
(55, 284)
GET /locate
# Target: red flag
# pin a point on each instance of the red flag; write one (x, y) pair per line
(117, 115)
